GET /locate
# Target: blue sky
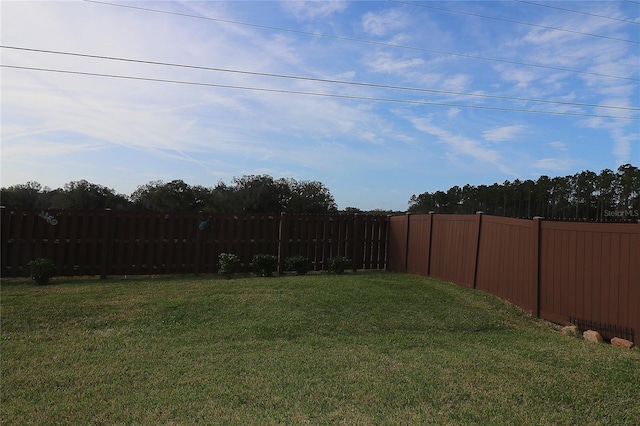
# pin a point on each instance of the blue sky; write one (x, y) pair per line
(448, 93)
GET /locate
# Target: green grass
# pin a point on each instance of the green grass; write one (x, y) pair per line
(366, 348)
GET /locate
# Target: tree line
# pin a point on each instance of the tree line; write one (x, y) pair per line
(251, 194)
(583, 196)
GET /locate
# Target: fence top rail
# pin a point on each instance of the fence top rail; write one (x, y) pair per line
(190, 213)
(603, 227)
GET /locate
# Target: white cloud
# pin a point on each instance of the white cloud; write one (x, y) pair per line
(384, 23)
(312, 10)
(560, 146)
(504, 133)
(456, 83)
(388, 63)
(521, 77)
(552, 164)
(453, 112)
(460, 145)
(622, 145)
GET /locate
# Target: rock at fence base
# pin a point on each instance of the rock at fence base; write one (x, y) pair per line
(592, 336)
(570, 330)
(623, 343)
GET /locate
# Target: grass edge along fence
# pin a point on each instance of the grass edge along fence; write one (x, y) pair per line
(106, 242)
(587, 274)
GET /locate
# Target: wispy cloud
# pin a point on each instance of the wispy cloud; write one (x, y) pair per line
(311, 10)
(555, 165)
(504, 133)
(389, 63)
(622, 143)
(384, 23)
(459, 145)
(560, 146)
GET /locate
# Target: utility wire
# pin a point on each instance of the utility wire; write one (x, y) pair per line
(370, 42)
(512, 21)
(578, 11)
(327, 95)
(321, 80)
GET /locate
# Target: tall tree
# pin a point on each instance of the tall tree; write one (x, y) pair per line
(469, 200)
(309, 197)
(261, 194)
(89, 196)
(30, 195)
(585, 188)
(173, 196)
(421, 204)
(605, 192)
(628, 180)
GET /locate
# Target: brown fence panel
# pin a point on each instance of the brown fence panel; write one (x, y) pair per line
(361, 238)
(397, 243)
(419, 244)
(109, 242)
(507, 260)
(370, 242)
(61, 236)
(454, 247)
(581, 272)
(591, 273)
(150, 243)
(244, 235)
(302, 235)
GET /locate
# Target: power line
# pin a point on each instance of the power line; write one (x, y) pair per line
(321, 80)
(327, 95)
(514, 22)
(579, 11)
(370, 42)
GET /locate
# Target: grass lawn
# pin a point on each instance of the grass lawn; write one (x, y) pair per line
(366, 348)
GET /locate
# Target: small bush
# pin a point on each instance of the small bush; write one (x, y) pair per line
(264, 265)
(41, 270)
(229, 263)
(339, 264)
(300, 264)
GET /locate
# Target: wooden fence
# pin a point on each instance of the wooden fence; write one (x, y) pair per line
(139, 243)
(582, 273)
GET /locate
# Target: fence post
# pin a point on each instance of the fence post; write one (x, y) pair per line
(106, 244)
(536, 247)
(429, 244)
(476, 253)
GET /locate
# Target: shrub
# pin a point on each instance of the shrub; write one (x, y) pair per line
(264, 265)
(339, 264)
(300, 264)
(41, 270)
(229, 263)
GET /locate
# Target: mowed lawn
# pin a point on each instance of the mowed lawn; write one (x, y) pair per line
(365, 348)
